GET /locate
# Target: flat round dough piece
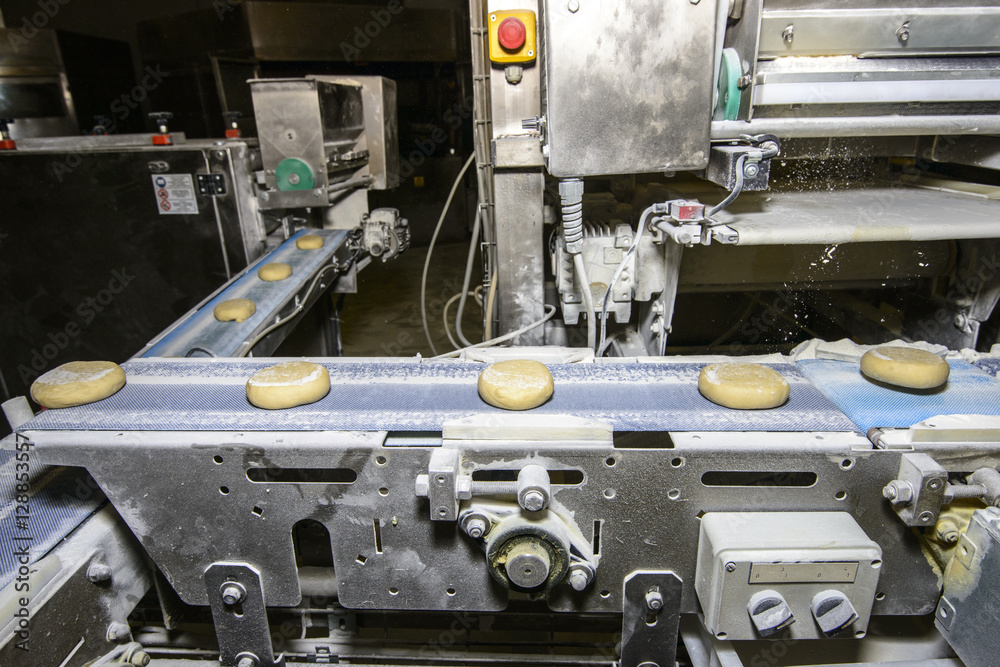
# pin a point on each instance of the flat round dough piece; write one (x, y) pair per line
(905, 367)
(288, 384)
(274, 271)
(743, 386)
(78, 383)
(309, 242)
(518, 384)
(234, 310)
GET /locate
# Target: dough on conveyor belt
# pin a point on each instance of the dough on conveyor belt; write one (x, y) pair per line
(288, 384)
(78, 383)
(743, 386)
(274, 271)
(309, 242)
(517, 384)
(905, 367)
(234, 310)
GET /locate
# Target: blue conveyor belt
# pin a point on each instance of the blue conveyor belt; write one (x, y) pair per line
(224, 339)
(209, 394)
(59, 499)
(969, 390)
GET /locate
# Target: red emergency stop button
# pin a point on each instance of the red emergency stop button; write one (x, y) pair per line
(511, 34)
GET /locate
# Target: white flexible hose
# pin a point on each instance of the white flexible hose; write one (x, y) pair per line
(430, 251)
(588, 299)
(468, 277)
(549, 312)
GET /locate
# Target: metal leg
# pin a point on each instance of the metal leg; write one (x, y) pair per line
(240, 616)
(650, 619)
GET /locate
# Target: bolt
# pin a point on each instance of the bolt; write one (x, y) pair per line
(730, 567)
(744, 81)
(751, 170)
(788, 34)
(475, 526)
(140, 659)
(264, 196)
(903, 32)
(654, 599)
(925, 517)
(533, 501)
(98, 573)
(232, 593)
(247, 661)
(118, 632)
(573, 6)
(294, 179)
(318, 192)
(934, 484)
(579, 577)
(898, 492)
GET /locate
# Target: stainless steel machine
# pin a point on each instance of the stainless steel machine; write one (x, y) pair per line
(720, 179)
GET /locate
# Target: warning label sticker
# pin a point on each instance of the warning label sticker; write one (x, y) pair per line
(175, 194)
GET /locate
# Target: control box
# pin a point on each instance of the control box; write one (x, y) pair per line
(793, 575)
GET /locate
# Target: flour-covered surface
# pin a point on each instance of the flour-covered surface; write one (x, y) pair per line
(59, 500)
(991, 366)
(397, 395)
(969, 390)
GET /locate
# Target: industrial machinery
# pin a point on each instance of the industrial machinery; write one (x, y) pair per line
(654, 178)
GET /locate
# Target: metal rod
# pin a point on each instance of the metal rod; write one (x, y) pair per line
(858, 126)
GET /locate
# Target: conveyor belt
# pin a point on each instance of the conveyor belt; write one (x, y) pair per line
(202, 330)
(209, 394)
(969, 390)
(59, 500)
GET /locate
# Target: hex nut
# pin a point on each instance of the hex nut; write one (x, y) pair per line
(98, 573)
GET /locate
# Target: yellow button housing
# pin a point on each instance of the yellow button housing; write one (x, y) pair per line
(526, 53)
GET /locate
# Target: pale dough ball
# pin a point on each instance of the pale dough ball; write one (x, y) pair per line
(743, 386)
(518, 384)
(905, 367)
(288, 384)
(274, 271)
(309, 242)
(234, 310)
(78, 383)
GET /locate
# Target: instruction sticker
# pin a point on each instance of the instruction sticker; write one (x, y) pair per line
(175, 194)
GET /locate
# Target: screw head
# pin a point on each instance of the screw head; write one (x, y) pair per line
(247, 661)
(654, 599)
(934, 484)
(533, 501)
(788, 34)
(730, 567)
(294, 179)
(98, 573)
(264, 196)
(232, 593)
(751, 170)
(925, 517)
(118, 632)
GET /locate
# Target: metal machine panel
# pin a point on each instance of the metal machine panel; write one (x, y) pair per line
(625, 87)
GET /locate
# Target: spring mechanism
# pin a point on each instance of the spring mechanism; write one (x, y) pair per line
(571, 193)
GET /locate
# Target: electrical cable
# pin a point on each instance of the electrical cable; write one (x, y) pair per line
(491, 296)
(549, 312)
(643, 219)
(430, 251)
(447, 327)
(291, 315)
(737, 189)
(468, 277)
(588, 299)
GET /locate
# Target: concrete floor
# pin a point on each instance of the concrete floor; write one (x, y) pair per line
(383, 318)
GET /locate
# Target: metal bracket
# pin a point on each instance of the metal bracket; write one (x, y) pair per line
(444, 485)
(918, 492)
(240, 616)
(650, 619)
